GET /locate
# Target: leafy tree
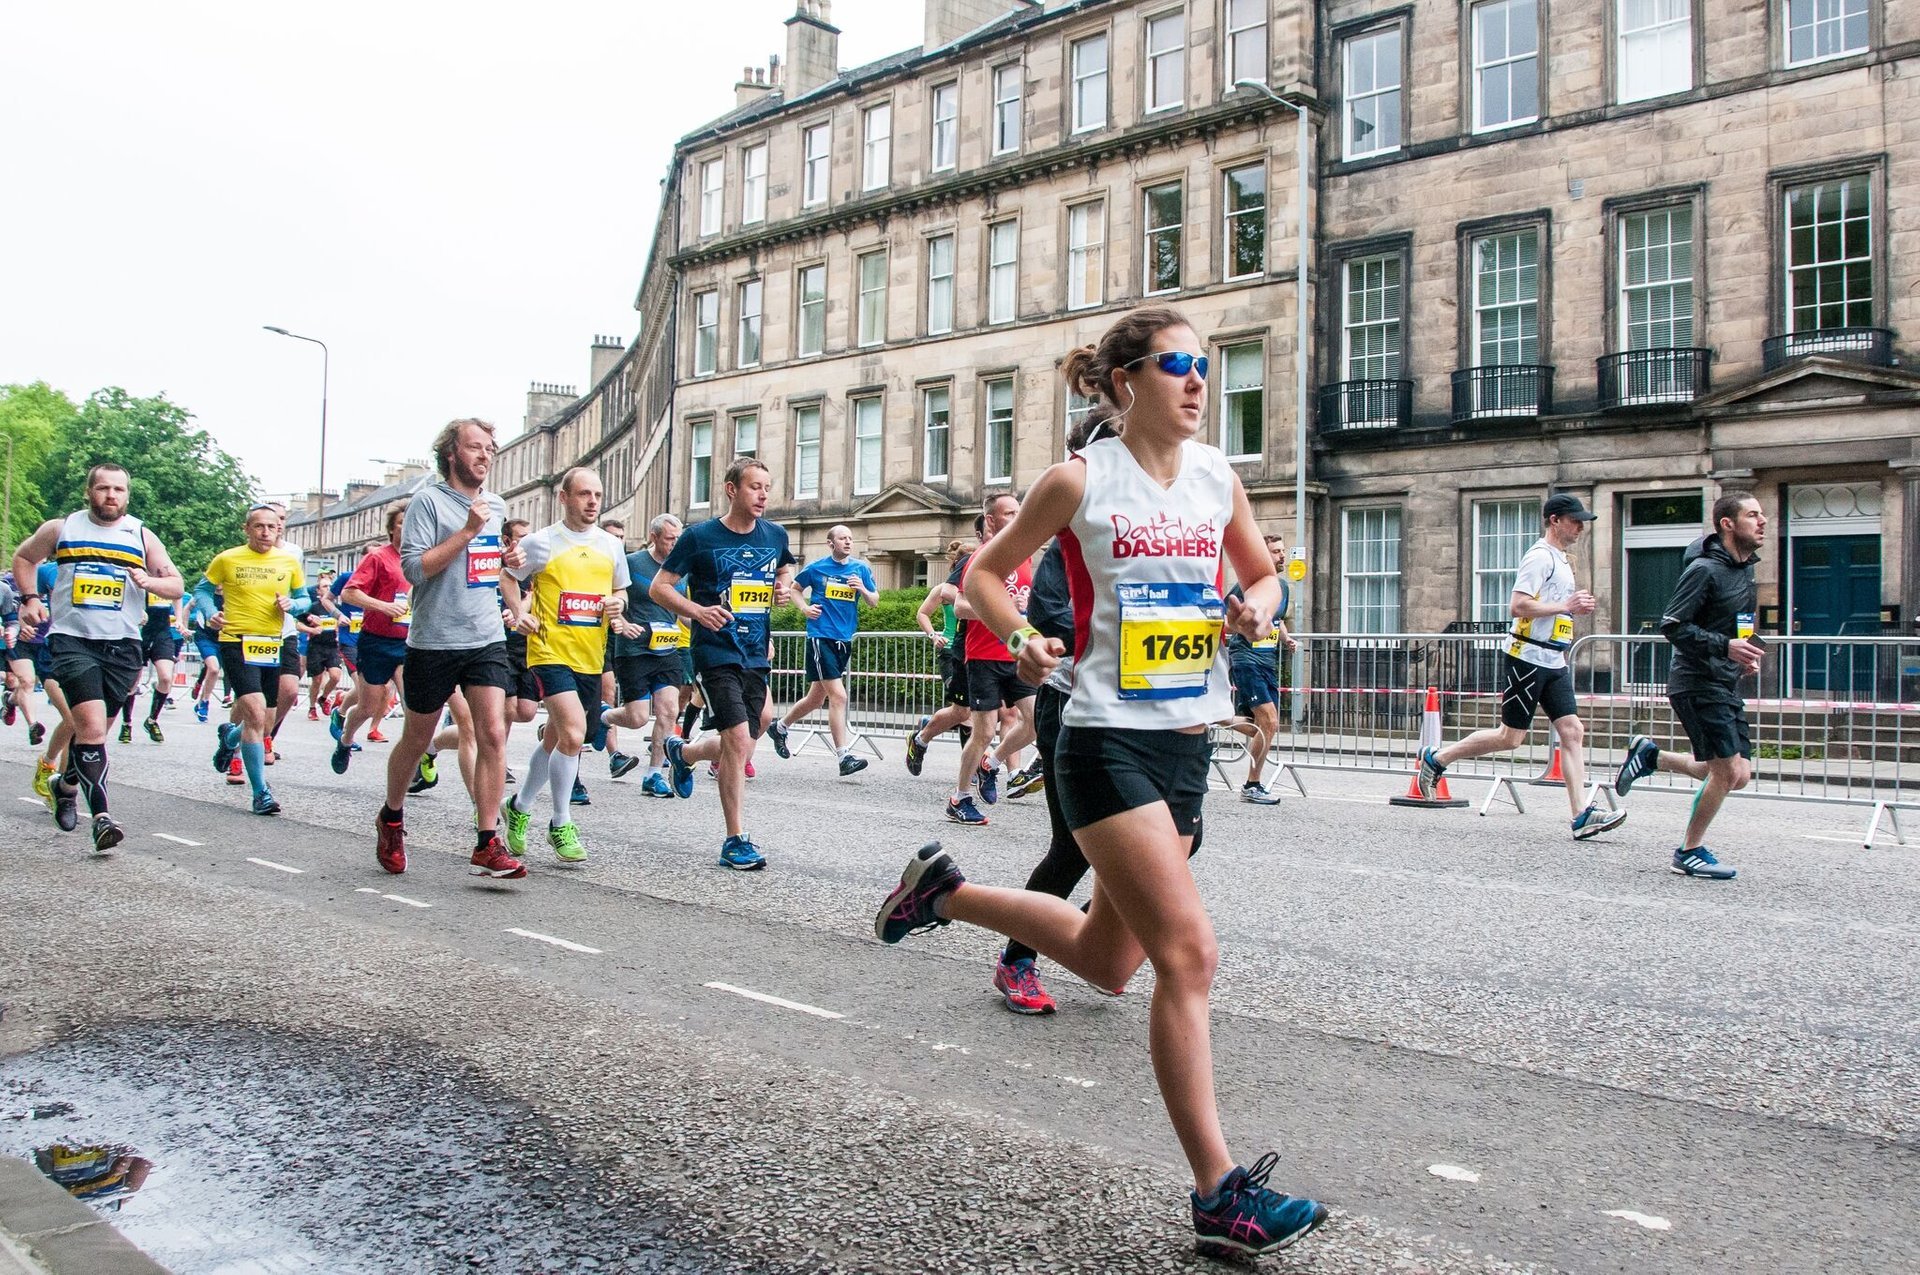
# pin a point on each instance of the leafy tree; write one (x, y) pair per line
(30, 416)
(190, 492)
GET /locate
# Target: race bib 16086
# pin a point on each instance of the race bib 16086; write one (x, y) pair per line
(1169, 637)
(483, 562)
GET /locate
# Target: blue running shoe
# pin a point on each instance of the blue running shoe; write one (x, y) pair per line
(1593, 821)
(1699, 862)
(962, 810)
(1242, 1218)
(1427, 774)
(336, 724)
(988, 782)
(620, 765)
(579, 796)
(682, 772)
(200, 710)
(228, 745)
(264, 804)
(739, 854)
(341, 756)
(777, 732)
(930, 876)
(1643, 758)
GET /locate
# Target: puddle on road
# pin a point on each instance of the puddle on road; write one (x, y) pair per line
(223, 1150)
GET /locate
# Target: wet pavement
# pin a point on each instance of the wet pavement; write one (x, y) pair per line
(226, 1150)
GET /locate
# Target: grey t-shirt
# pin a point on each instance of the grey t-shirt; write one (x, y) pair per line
(459, 609)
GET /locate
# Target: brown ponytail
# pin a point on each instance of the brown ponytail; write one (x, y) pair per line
(1089, 369)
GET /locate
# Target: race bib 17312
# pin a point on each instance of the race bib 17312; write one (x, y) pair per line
(747, 596)
(1169, 638)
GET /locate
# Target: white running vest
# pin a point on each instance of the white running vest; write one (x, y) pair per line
(1143, 570)
(92, 595)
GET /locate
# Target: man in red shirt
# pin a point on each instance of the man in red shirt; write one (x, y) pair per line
(380, 589)
(991, 684)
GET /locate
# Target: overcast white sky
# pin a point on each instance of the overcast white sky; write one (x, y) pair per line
(455, 197)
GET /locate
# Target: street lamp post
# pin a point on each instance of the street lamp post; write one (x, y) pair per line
(1302, 151)
(325, 358)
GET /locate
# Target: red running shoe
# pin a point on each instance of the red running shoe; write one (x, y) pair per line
(492, 860)
(271, 756)
(390, 844)
(375, 737)
(234, 774)
(1020, 987)
(313, 712)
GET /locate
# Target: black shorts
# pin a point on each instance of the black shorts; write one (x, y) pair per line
(433, 676)
(643, 676)
(1104, 772)
(558, 679)
(1528, 686)
(95, 669)
(322, 655)
(953, 677)
(735, 696)
(827, 659)
(520, 684)
(994, 684)
(160, 644)
(1255, 682)
(35, 653)
(1715, 728)
(290, 657)
(379, 657)
(252, 679)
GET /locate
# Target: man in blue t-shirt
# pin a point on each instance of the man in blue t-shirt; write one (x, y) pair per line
(737, 567)
(1254, 668)
(835, 585)
(648, 641)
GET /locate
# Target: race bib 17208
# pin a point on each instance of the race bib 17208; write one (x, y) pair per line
(98, 588)
(1169, 637)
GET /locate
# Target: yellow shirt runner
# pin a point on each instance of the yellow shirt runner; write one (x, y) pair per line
(251, 585)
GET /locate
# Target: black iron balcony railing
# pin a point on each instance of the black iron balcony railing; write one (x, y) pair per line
(1502, 391)
(1872, 346)
(1652, 378)
(1365, 407)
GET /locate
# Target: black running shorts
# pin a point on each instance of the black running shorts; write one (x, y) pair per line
(433, 676)
(94, 668)
(994, 684)
(1528, 686)
(735, 696)
(1715, 728)
(250, 679)
(1104, 772)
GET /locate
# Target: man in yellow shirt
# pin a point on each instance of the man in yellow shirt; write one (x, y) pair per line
(259, 585)
(571, 586)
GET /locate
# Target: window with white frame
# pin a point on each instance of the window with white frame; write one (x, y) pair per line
(1009, 88)
(1078, 405)
(873, 299)
(999, 440)
(939, 285)
(1655, 50)
(946, 127)
(700, 472)
(1003, 271)
(1506, 298)
(1829, 255)
(746, 434)
(1090, 83)
(876, 152)
(1506, 63)
(1370, 571)
(1160, 222)
(1166, 61)
(1245, 191)
(806, 452)
(1503, 531)
(1086, 255)
(706, 333)
(713, 182)
(1370, 334)
(1370, 106)
(936, 428)
(817, 147)
(812, 335)
(753, 184)
(1246, 41)
(1243, 400)
(1656, 279)
(747, 351)
(1820, 29)
(868, 440)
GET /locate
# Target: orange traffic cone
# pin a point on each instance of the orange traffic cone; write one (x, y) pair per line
(1429, 738)
(1552, 776)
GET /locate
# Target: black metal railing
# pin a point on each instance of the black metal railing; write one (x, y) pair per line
(1365, 407)
(1872, 346)
(1650, 378)
(1502, 391)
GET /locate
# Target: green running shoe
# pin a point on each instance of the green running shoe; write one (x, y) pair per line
(564, 841)
(517, 821)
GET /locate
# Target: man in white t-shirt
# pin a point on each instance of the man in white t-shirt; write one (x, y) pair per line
(1545, 600)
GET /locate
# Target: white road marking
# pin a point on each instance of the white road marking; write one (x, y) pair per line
(179, 841)
(1075, 1080)
(31, 801)
(366, 889)
(765, 999)
(1647, 1220)
(1453, 1173)
(277, 867)
(566, 943)
(401, 898)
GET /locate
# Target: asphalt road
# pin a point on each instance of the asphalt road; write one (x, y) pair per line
(1612, 1068)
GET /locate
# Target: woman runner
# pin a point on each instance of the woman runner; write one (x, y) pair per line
(1143, 521)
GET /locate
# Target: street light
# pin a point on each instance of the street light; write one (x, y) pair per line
(1299, 385)
(324, 359)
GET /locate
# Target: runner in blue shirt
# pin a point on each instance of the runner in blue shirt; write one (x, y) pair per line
(835, 586)
(737, 568)
(1255, 670)
(649, 643)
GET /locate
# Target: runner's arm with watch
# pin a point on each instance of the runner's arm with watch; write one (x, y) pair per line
(1251, 614)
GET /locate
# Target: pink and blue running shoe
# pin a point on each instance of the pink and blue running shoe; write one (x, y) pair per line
(1242, 1218)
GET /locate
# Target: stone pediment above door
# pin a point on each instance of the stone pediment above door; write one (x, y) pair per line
(908, 500)
(1812, 385)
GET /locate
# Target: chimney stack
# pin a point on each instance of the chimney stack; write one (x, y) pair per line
(756, 82)
(813, 48)
(607, 353)
(948, 20)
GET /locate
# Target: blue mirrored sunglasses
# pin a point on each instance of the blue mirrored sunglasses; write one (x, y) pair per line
(1174, 362)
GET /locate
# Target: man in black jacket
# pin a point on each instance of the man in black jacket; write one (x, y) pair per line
(1709, 621)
